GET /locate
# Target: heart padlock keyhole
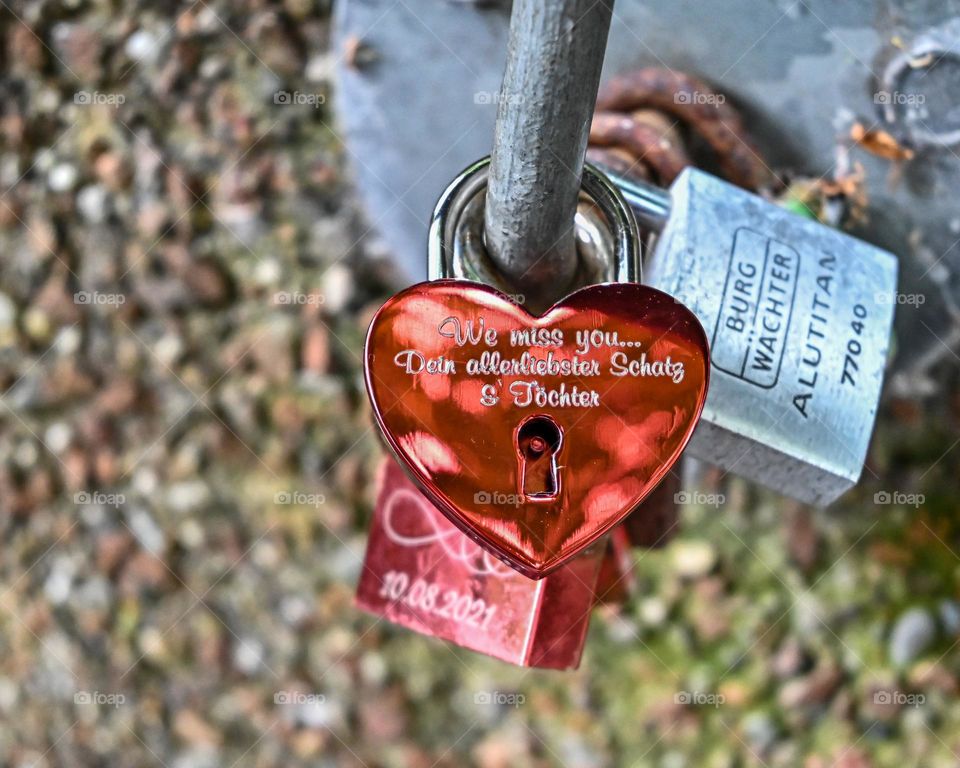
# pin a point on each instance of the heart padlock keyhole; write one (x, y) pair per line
(539, 440)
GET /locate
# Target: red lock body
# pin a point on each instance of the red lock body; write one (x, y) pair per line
(423, 573)
(536, 434)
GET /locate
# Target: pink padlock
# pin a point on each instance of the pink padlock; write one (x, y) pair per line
(423, 573)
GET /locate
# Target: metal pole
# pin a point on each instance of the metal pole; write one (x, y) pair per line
(547, 99)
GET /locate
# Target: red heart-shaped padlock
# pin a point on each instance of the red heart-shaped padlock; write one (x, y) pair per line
(536, 434)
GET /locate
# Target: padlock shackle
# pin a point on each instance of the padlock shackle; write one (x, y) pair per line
(472, 181)
(650, 204)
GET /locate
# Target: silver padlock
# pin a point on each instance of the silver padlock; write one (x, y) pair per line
(799, 318)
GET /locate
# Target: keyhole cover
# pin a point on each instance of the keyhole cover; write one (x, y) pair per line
(539, 440)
